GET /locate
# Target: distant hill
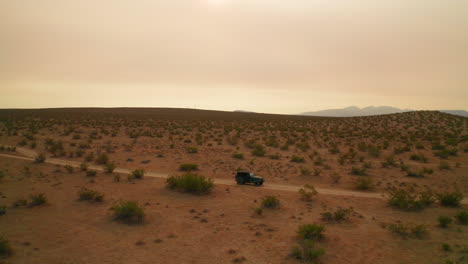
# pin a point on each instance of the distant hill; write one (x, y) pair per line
(456, 112)
(356, 111)
(370, 111)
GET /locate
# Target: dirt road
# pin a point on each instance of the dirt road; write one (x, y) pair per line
(28, 154)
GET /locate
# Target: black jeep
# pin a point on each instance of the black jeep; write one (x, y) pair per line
(243, 177)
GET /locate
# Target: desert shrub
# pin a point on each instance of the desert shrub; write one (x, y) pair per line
(102, 159)
(258, 151)
(188, 167)
(339, 215)
(128, 212)
(450, 199)
(409, 230)
(444, 166)
(40, 158)
(462, 217)
(307, 192)
(109, 167)
(68, 168)
(190, 182)
(89, 195)
(258, 211)
(20, 202)
(444, 221)
(192, 150)
(307, 252)
(305, 171)
(5, 247)
(91, 173)
(407, 199)
(37, 199)
(389, 162)
(271, 202)
(83, 167)
(363, 183)
(138, 174)
(311, 231)
(3, 209)
(358, 171)
(336, 177)
(238, 156)
(446, 247)
(297, 159)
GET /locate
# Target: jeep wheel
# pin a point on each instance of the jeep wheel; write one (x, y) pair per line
(258, 183)
(240, 181)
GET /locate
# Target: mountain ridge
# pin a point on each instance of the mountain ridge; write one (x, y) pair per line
(351, 111)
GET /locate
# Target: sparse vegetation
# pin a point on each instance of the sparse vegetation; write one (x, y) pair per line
(409, 230)
(339, 215)
(37, 199)
(407, 199)
(91, 173)
(311, 231)
(109, 167)
(5, 247)
(128, 211)
(444, 221)
(89, 195)
(462, 217)
(138, 174)
(450, 199)
(40, 158)
(190, 182)
(188, 167)
(307, 192)
(270, 202)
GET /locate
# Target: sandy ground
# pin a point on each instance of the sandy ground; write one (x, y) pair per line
(221, 227)
(69, 231)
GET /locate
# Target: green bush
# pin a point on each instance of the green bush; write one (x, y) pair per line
(450, 199)
(37, 199)
(102, 159)
(407, 199)
(444, 221)
(40, 158)
(258, 151)
(138, 174)
(270, 202)
(363, 183)
(5, 247)
(238, 156)
(188, 167)
(190, 182)
(297, 159)
(307, 252)
(90, 195)
(3, 209)
(192, 150)
(109, 167)
(91, 173)
(409, 230)
(128, 212)
(462, 217)
(83, 167)
(339, 215)
(311, 231)
(68, 168)
(358, 171)
(444, 166)
(307, 192)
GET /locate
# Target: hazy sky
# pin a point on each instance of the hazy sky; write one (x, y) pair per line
(279, 56)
